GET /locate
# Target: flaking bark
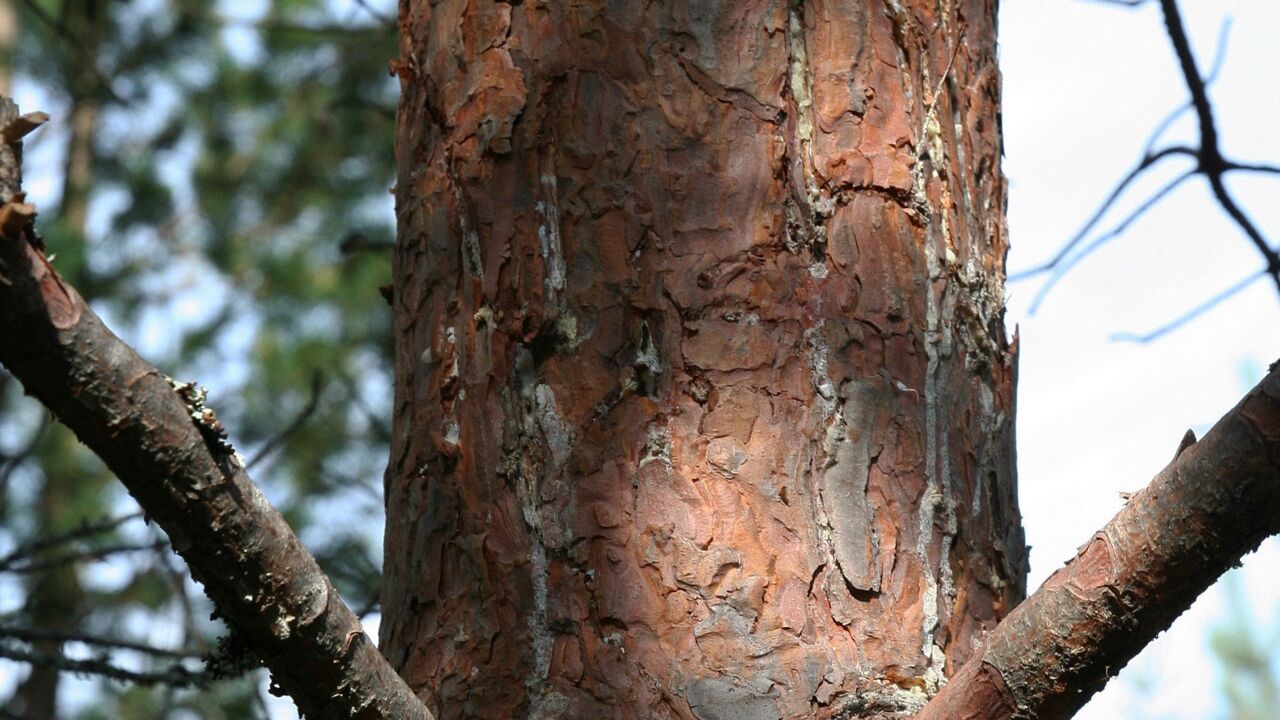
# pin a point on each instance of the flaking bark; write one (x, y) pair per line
(704, 401)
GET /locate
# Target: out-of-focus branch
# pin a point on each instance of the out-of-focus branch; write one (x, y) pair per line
(27, 634)
(276, 441)
(21, 556)
(9, 463)
(166, 447)
(87, 56)
(1148, 161)
(94, 553)
(175, 675)
(1192, 314)
(1216, 501)
(1064, 265)
(1210, 163)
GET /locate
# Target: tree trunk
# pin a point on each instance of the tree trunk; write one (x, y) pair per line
(704, 404)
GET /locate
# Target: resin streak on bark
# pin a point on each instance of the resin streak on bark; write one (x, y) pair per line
(704, 405)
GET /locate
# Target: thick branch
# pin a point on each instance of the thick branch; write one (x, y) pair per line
(264, 582)
(1216, 501)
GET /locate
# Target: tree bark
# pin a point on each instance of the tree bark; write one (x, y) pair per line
(704, 403)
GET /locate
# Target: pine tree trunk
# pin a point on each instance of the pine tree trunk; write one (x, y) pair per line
(704, 402)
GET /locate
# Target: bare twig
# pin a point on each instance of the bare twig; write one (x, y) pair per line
(373, 13)
(1148, 161)
(1253, 167)
(277, 441)
(1191, 314)
(88, 58)
(29, 634)
(85, 530)
(357, 242)
(175, 675)
(1219, 56)
(1212, 163)
(1209, 162)
(12, 462)
(371, 606)
(1063, 268)
(94, 553)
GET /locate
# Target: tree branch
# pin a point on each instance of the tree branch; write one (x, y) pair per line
(1209, 162)
(1215, 502)
(30, 635)
(166, 450)
(174, 676)
(75, 556)
(1062, 268)
(1148, 161)
(278, 440)
(23, 553)
(1192, 314)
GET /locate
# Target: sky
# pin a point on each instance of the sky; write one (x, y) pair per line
(1085, 83)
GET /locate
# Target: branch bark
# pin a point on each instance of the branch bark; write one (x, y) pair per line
(264, 582)
(1216, 501)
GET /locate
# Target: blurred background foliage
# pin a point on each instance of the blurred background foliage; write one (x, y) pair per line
(1247, 657)
(215, 181)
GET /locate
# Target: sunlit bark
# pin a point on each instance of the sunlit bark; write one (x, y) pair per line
(704, 400)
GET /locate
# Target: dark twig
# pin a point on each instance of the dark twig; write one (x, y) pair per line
(276, 24)
(371, 606)
(1253, 167)
(12, 462)
(95, 553)
(89, 59)
(1063, 268)
(1147, 162)
(175, 675)
(28, 634)
(377, 421)
(85, 530)
(376, 15)
(277, 441)
(357, 242)
(1209, 162)
(1212, 163)
(1191, 314)
(1150, 156)
(1219, 56)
